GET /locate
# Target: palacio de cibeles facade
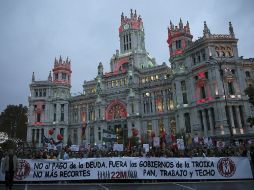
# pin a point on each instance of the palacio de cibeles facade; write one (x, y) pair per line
(200, 95)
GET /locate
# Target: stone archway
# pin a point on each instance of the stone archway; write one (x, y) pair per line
(116, 110)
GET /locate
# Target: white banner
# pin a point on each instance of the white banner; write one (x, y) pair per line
(134, 168)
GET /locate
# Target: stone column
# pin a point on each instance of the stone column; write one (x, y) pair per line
(231, 117)
(153, 102)
(205, 123)
(238, 117)
(211, 122)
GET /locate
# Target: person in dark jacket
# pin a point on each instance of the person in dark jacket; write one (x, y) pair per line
(9, 166)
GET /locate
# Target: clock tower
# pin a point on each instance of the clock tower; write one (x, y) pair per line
(131, 33)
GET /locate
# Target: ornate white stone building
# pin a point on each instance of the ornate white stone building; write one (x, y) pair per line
(142, 98)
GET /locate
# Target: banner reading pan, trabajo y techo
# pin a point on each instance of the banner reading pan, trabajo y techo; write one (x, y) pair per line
(134, 168)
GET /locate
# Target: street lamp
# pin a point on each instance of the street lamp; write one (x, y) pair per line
(220, 62)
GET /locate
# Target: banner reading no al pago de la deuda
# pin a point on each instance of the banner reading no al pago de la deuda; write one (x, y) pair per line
(133, 168)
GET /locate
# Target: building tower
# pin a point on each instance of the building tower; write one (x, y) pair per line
(179, 38)
(131, 33)
(132, 44)
(62, 72)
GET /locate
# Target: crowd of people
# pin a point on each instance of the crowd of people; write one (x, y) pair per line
(136, 151)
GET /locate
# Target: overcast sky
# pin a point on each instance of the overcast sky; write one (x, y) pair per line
(33, 33)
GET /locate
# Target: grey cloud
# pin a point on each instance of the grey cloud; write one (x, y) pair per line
(32, 33)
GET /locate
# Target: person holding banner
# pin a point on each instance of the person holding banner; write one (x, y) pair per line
(9, 166)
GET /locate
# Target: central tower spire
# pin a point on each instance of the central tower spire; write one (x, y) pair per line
(131, 33)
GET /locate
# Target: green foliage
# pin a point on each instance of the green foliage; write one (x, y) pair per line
(250, 120)
(250, 92)
(13, 121)
(8, 144)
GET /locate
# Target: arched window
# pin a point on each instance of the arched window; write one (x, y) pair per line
(218, 54)
(223, 54)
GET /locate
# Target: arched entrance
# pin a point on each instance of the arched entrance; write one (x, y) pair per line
(116, 115)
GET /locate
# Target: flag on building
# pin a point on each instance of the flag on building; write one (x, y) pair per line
(45, 139)
(83, 133)
(108, 136)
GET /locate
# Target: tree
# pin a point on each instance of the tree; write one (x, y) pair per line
(13, 121)
(250, 92)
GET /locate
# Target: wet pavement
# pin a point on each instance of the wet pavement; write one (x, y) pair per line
(204, 185)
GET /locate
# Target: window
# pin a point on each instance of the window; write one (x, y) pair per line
(40, 92)
(183, 85)
(99, 113)
(56, 76)
(35, 107)
(230, 88)
(178, 44)
(185, 100)
(54, 119)
(132, 107)
(194, 60)
(36, 92)
(99, 135)
(202, 91)
(199, 59)
(203, 55)
(206, 75)
(62, 112)
(64, 76)
(247, 73)
(44, 92)
(38, 117)
(43, 107)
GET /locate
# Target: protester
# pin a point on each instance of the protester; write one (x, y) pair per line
(9, 167)
(65, 156)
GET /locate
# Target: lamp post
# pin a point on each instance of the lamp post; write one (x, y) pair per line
(220, 62)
